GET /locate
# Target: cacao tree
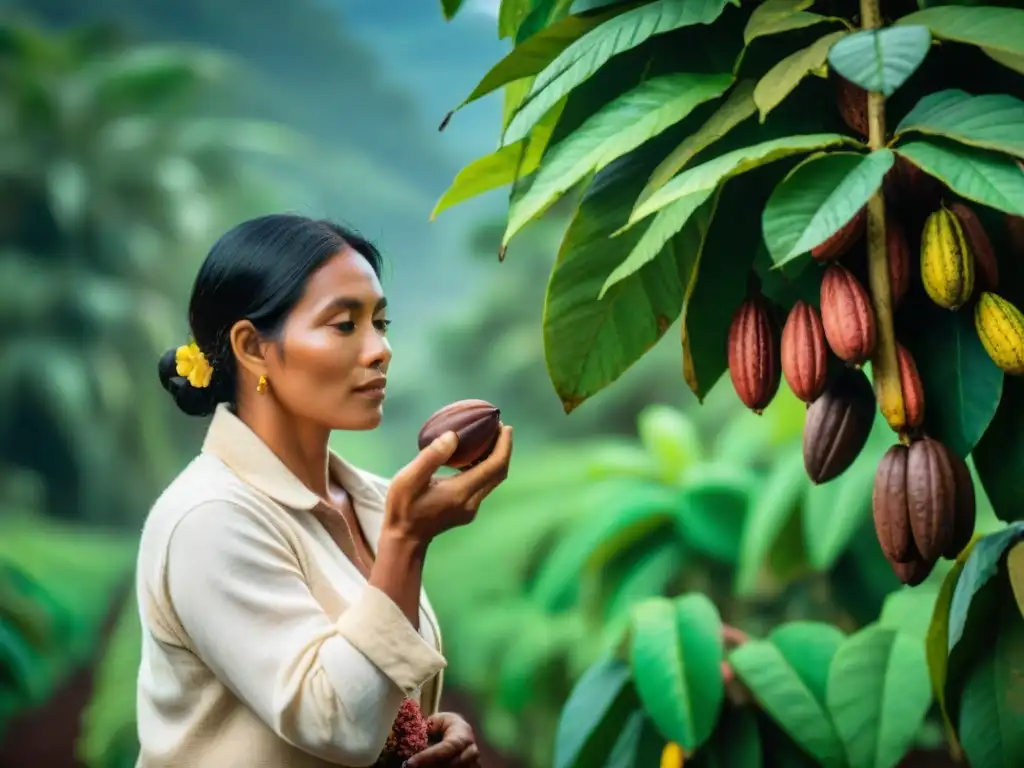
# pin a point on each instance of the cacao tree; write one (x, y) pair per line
(828, 192)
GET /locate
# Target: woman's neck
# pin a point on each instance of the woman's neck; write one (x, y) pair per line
(301, 446)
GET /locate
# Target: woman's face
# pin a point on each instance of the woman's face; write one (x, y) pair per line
(330, 366)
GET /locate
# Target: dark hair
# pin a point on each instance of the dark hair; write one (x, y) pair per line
(256, 271)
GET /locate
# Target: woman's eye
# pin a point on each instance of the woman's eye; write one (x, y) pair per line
(382, 325)
(346, 326)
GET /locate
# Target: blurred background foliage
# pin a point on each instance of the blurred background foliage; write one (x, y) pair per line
(133, 133)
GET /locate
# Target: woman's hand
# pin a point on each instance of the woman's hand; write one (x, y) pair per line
(421, 506)
(454, 747)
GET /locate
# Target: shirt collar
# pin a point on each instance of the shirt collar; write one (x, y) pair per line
(244, 453)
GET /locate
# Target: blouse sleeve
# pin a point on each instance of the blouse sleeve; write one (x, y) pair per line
(332, 689)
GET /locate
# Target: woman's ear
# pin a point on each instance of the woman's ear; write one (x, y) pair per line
(249, 348)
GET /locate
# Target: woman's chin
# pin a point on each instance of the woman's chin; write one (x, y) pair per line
(361, 422)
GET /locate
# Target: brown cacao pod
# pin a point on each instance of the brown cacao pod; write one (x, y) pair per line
(847, 315)
(804, 352)
(837, 425)
(899, 259)
(914, 571)
(890, 508)
(913, 390)
(753, 354)
(986, 268)
(966, 507)
(842, 239)
(477, 424)
(931, 490)
(852, 101)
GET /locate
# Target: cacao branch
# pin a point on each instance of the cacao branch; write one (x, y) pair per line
(884, 365)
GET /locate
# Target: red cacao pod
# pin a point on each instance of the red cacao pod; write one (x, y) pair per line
(842, 239)
(753, 354)
(847, 315)
(804, 352)
(899, 259)
(913, 390)
(477, 424)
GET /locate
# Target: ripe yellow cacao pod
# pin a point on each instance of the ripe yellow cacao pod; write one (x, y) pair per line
(947, 265)
(1000, 327)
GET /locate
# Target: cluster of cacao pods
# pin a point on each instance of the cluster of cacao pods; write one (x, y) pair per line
(959, 268)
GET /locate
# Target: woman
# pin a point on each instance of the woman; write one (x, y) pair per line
(279, 586)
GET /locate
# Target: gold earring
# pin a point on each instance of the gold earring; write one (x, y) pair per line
(261, 385)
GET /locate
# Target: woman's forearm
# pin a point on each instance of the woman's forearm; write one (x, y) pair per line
(398, 572)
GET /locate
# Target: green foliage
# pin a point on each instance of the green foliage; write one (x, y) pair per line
(684, 220)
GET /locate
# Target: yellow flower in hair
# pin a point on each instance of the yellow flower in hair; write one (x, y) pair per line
(193, 365)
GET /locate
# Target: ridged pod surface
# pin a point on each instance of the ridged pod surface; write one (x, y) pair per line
(890, 507)
(753, 354)
(837, 426)
(966, 507)
(931, 494)
(477, 424)
(913, 389)
(847, 315)
(1000, 326)
(899, 259)
(986, 268)
(842, 239)
(947, 266)
(804, 352)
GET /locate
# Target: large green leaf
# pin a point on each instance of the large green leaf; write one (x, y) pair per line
(676, 654)
(999, 454)
(600, 702)
(639, 744)
(737, 107)
(910, 609)
(990, 121)
(818, 197)
(585, 56)
(533, 55)
(936, 641)
(450, 7)
(881, 60)
(976, 174)
(776, 16)
(589, 343)
(962, 386)
(878, 695)
(775, 504)
(613, 131)
(663, 227)
(998, 30)
(787, 680)
(782, 79)
(707, 176)
(991, 717)
(981, 565)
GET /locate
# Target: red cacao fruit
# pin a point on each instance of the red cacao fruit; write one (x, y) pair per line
(753, 354)
(847, 315)
(986, 268)
(913, 390)
(899, 259)
(842, 239)
(804, 352)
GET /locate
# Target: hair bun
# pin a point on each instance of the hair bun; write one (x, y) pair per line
(193, 401)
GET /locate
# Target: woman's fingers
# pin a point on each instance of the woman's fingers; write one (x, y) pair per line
(489, 473)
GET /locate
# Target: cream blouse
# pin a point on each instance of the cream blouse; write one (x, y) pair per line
(263, 644)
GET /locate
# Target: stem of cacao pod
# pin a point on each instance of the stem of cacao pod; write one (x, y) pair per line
(884, 364)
